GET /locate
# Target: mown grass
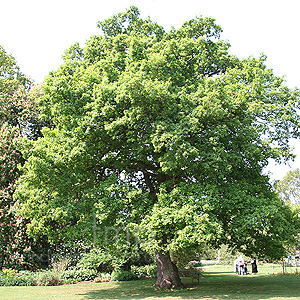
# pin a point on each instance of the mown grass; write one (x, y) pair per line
(218, 283)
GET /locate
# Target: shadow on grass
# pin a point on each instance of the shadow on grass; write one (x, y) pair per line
(212, 286)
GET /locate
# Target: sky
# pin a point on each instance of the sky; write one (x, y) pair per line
(37, 32)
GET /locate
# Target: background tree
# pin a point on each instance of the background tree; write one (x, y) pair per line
(10, 75)
(17, 111)
(289, 187)
(165, 134)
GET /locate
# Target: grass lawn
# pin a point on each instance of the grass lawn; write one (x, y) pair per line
(218, 283)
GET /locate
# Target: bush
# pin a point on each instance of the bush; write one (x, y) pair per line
(9, 271)
(97, 280)
(19, 279)
(149, 271)
(104, 277)
(79, 274)
(68, 281)
(48, 278)
(60, 266)
(54, 276)
(88, 267)
(96, 260)
(122, 275)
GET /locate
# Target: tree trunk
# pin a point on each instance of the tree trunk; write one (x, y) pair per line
(167, 272)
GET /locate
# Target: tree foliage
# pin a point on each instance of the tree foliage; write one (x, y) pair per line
(17, 112)
(165, 133)
(289, 187)
(10, 75)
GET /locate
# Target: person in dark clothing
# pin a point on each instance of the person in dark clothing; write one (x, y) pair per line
(254, 266)
(245, 269)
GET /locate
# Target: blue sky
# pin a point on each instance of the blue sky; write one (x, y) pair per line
(36, 32)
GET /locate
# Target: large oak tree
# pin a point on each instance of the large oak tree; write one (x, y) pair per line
(165, 133)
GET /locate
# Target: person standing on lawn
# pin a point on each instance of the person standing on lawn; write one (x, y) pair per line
(254, 266)
(236, 266)
(241, 265)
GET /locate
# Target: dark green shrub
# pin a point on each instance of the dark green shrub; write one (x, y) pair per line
(78, 275)
(149, 271)
(96, 260)
(122, 275)
(89, 266)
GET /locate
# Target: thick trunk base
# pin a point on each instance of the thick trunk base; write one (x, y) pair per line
(167, 272)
